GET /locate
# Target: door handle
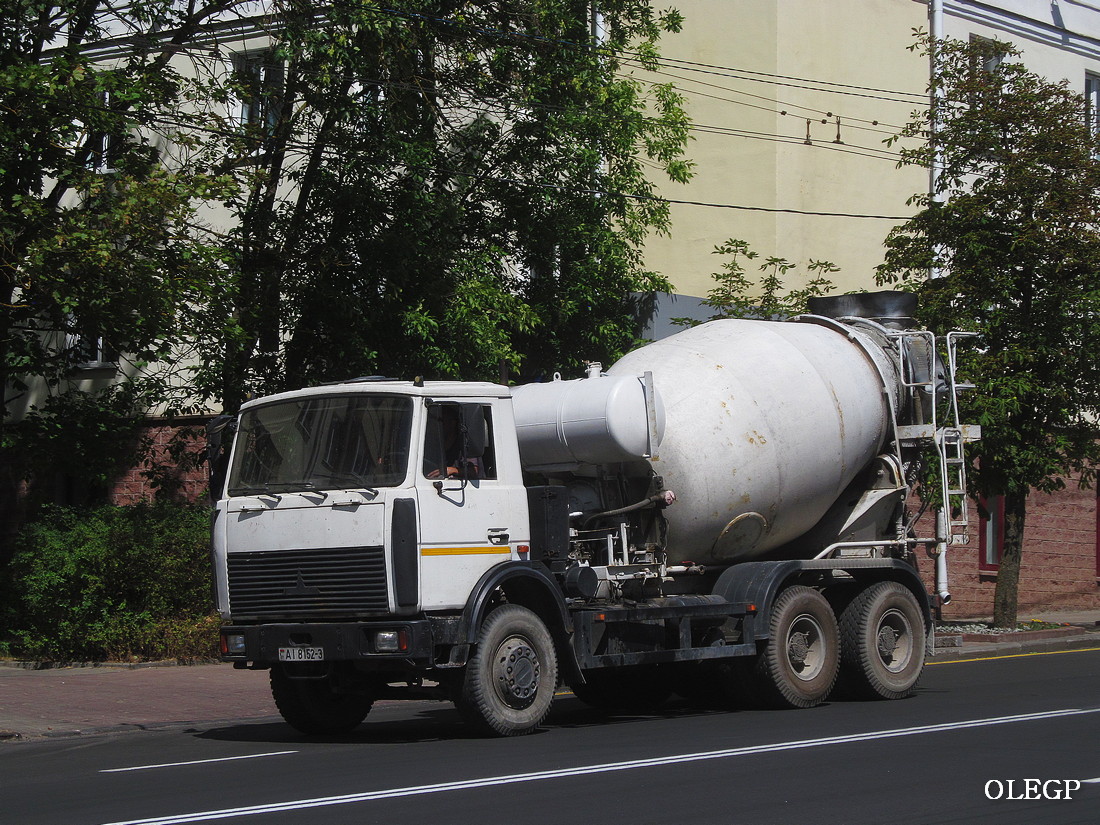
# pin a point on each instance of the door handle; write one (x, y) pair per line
(498, 536)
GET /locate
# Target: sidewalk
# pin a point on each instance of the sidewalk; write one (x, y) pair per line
(86, 700)
(74, 701)
(1082, 630)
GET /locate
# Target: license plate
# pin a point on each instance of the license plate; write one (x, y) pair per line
(301, 654)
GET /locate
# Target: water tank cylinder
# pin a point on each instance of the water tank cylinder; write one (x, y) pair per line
(563, 425)
(766, 423)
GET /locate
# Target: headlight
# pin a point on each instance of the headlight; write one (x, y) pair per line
(233, 644)
(390, 641)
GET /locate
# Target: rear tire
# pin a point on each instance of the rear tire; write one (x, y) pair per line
(509, 682)
(882, 643)
(799, 666)
(312, 707)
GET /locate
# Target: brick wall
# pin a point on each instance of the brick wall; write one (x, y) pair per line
(1058, 570)
(184, 481)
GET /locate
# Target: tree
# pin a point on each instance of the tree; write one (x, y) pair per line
(735, 295)
(100, 246)
(413, 188)
(1015, 229)
(442, 188)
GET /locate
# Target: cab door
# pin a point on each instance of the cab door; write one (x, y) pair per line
(472, 503)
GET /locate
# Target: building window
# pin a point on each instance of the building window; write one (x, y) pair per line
(1092, 98)
(260, 79)
(105, 142)
(991, 541)
(89, 352)
(989, 59)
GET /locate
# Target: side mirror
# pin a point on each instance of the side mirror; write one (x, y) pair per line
(219, 435)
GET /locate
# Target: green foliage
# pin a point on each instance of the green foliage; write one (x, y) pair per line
(112, 583)
(100, 185)
(1014, 232)
(468, 190)
(1017, 239)
(738, 296)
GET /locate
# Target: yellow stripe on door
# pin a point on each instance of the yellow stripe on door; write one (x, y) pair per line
(466, 551)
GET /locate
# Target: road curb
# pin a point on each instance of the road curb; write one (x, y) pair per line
(30, 664)
(1015, 647)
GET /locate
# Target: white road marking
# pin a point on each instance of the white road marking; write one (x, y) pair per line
(511, 779)
(1095, 781)
(196, 762)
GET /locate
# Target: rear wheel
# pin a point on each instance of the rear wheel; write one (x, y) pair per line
(509, 682)
(313, 707)
(882, 643)
(799, 666)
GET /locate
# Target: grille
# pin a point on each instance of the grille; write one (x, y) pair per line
(347, 581)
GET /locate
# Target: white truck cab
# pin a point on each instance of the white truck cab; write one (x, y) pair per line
(351, 482)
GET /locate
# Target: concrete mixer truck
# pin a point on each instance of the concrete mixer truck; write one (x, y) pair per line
(724, 514)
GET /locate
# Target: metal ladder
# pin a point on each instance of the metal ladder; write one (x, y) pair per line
(942, 425)
(951, 439)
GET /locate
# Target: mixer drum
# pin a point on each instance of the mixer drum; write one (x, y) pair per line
(766, 423)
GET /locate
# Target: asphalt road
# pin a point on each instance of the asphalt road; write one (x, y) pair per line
(972, 727)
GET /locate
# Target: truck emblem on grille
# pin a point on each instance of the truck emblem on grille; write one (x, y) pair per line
(300, 589)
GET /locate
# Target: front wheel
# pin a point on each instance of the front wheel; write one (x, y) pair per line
(509, 682)
(799, 666)
(311, 706)
(882, 643)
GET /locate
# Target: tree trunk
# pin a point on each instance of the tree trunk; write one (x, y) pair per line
(1005, 598)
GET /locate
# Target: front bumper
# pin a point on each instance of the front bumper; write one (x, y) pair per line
(362, 642)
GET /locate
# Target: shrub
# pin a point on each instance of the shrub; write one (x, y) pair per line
(111, 583)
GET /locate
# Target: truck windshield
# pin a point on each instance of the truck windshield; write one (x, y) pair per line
(322, 443)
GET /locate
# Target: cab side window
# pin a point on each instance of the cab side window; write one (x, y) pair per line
(458, 442)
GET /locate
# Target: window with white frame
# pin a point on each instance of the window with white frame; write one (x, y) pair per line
(90, 351)
(260, 75)
(104, 147)
(1092, 98)
(991, 59)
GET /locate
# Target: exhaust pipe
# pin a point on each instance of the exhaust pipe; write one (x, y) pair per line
(941, 558)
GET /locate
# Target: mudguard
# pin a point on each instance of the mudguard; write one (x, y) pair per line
(759, 582)
(532, 586)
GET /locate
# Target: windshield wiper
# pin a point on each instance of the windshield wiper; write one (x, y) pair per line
(359, 479)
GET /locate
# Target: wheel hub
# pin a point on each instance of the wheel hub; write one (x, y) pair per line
(798, 648)
(805, 648)
(887, 643)
(894, 641)
(516, 673)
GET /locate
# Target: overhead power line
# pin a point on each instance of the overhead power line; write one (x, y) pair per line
(706, 68)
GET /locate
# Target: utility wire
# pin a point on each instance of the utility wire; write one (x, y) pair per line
(812, 84)
(486, 107)
(304, 148)
(704, 68)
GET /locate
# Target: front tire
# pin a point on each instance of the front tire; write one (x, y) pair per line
(311, 706)
(509, 682)
(882, 643)
(799, 666)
